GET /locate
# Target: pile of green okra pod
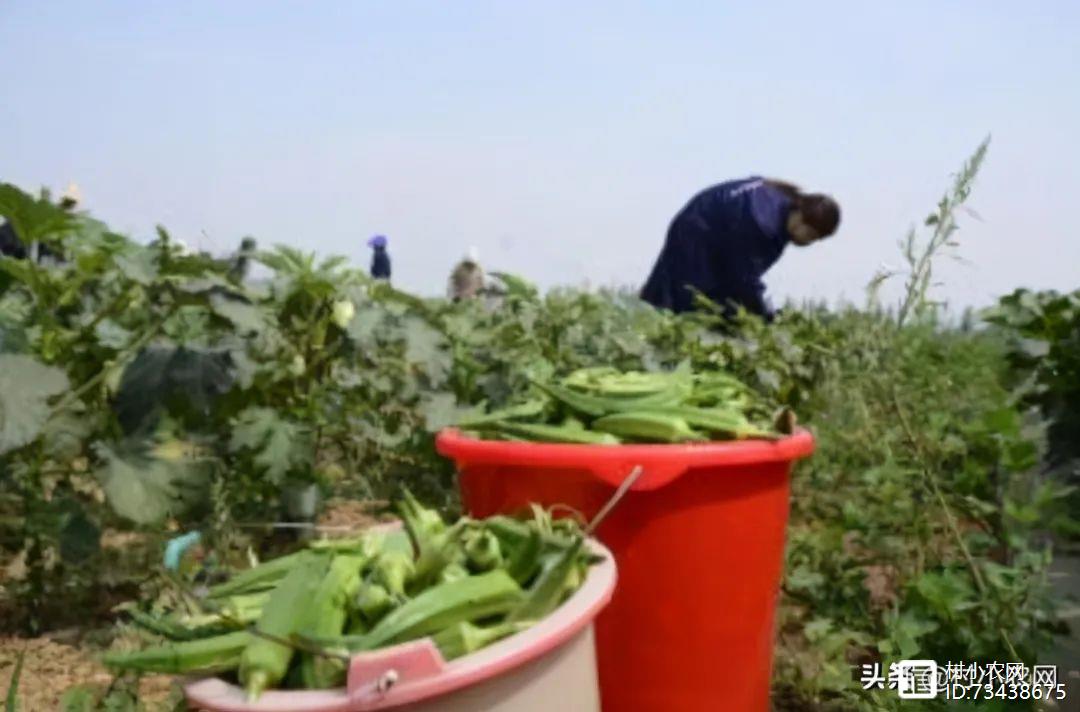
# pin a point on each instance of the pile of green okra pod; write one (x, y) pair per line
(292, 622)
(603, 406)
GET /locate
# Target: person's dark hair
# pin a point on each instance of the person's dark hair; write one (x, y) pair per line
(819, 211)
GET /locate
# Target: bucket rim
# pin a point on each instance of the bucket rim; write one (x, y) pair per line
(662, 463)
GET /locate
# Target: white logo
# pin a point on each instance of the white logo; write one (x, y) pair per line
(746, 187)
(917, 679)
(1044, 675)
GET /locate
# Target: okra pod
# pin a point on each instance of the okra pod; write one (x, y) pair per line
(597, 406)
(529, 409)
(648, 426)
(175, 630)
(464, 638)
(264, 662)
(370, 605)
(482, 550)
(717, 421)
(453, 572)
(245, 608)
(325, 615)
(209, 655)
(436, 544)
(586, 377)
(259, 578)
(628, 385)
(548, 591)
(394, 569)
(526, 558)
(555, 434)
(468, 599)
(514, 532)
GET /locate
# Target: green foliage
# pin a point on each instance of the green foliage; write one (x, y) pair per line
(921, 256)
(121, 696)
(276, 446)
(82, 698)
(182, 381)
(903, 535)
(145, 488)
(34, 219)
(11, 701)
(26, 385)
(151, 385)
(1043, 329)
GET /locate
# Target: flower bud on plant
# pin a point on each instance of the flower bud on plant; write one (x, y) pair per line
(298, 365)
(343, 313)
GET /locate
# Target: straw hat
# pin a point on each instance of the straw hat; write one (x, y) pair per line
(72, 193)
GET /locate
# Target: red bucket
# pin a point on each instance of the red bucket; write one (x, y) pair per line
(699, 542)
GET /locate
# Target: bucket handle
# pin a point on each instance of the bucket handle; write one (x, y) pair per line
(614, 500)
(373, 674)
(660, 473)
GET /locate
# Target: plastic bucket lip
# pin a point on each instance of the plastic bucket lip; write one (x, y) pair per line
(435, 676)
(612, 463)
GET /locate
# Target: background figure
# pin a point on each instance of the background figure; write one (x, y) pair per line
(467, 279)
(241, 261)
(11, 244)
(380, 261)
(725, 239)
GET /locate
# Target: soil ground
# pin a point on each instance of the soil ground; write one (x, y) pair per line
(59, 660)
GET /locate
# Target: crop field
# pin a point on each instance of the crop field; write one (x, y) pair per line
(146, 391)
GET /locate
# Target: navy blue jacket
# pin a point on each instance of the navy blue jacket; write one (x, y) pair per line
(380, 264)
(721, 244)
(10, 244)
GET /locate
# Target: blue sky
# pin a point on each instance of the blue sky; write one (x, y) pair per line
(559, 138)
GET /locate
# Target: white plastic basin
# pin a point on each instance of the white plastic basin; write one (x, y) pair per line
(549, 666)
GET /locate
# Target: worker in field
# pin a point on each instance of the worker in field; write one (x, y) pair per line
(240, 262)
(380, 260)
(725, 239)
(11, 243)
(467, 279)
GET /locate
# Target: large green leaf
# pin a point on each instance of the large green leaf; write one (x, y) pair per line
(516, 286)
(426, 347)
(146, 489)
(946, 592)
(441, 410)
(20, 270)
(15, 308)
(365, 325)
(906, 630)
(111, 335)
(205, 283)
(66, 433)
(280, 447)
(181, 381)
(34, 219)
(244, 368)
(245, 316)
(138, 264)
(26, 385)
